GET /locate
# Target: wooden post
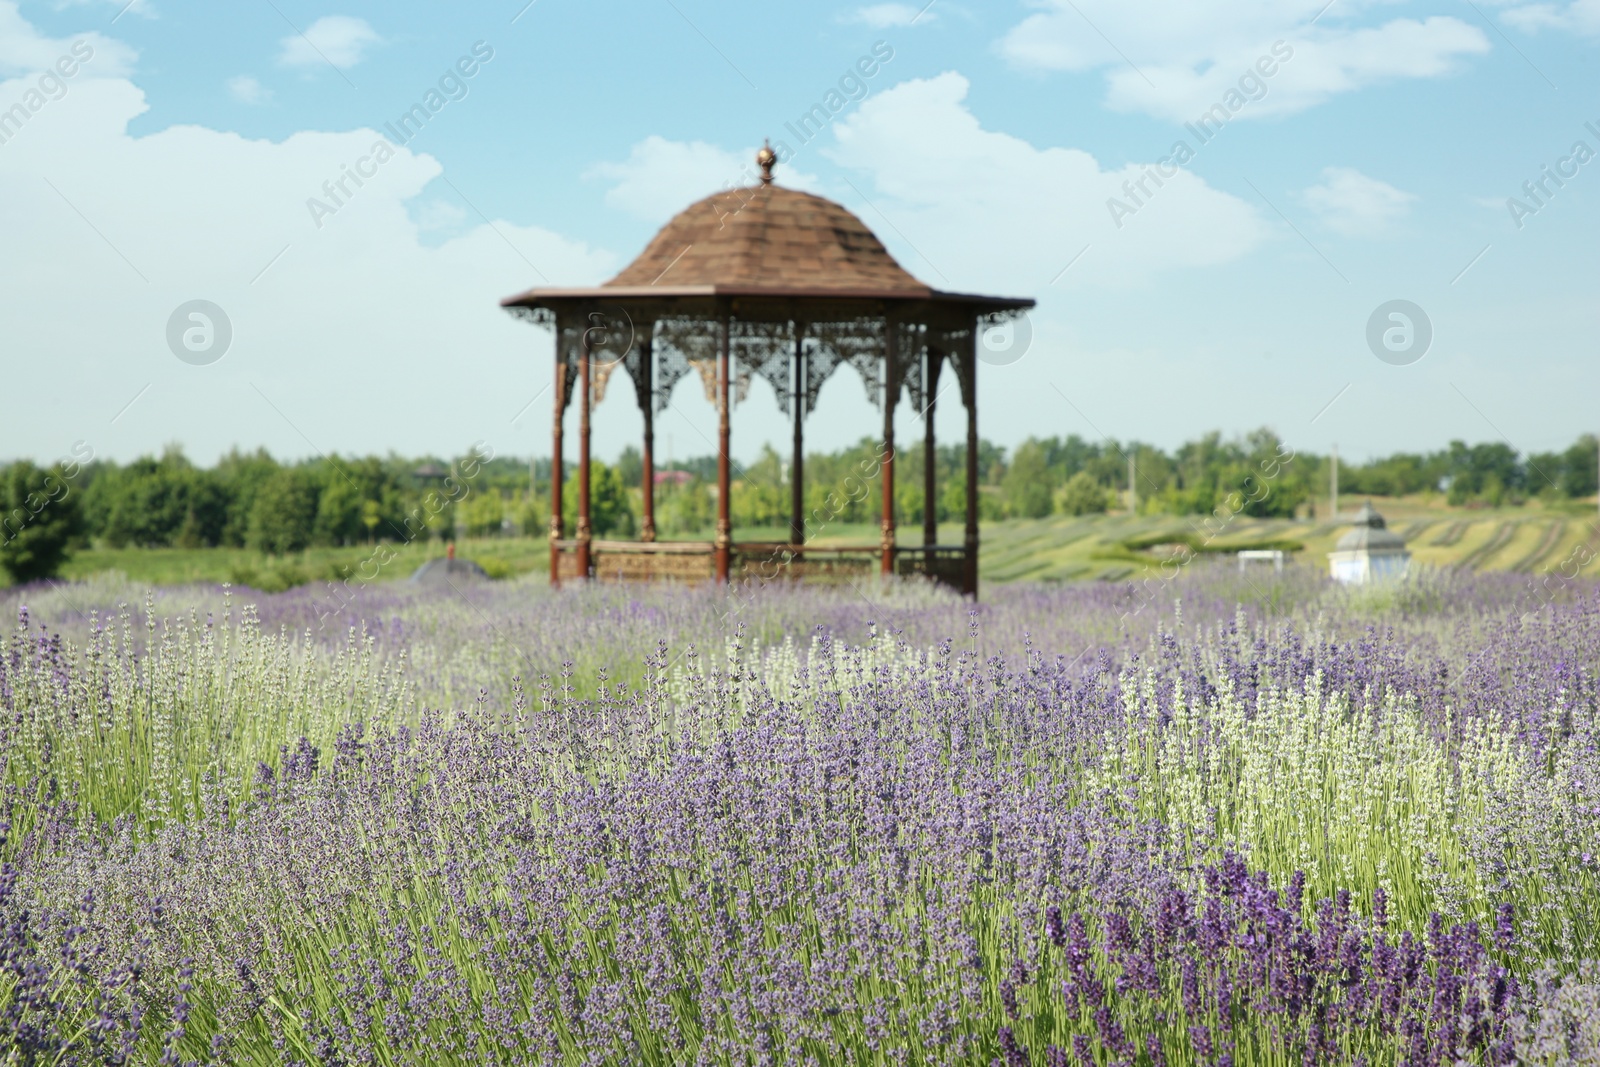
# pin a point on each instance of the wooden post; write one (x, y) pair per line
(558, 530)
(930, 504)
(585, 531)
(891, 391)
(970, 542)
(797, 460)
(1333, 486)
(648, 402)
(723, 545)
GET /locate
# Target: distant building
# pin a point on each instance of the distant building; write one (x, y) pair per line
(1370, 552)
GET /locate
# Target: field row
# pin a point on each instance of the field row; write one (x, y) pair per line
(1050, 550)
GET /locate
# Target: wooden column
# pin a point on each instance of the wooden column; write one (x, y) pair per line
(970, 359)
(648, 403)
(723, 545)
(797, 461)
(931, 364)
(558, 529)
(585, 399)
(891, 390)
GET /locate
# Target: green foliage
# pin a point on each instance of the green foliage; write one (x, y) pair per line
(157, 502)
(1490, 473)
(761, 492)
(39, 519)
(269, 575)
(531, 514)
(611, 511)
(630, 467)
(610, 505)
(495, 566)
(483, 513)
(1081, 495)
(168, 502)
(1029, 482)
(244, 474)
(284, 513)
(339, 512)
(682, 510)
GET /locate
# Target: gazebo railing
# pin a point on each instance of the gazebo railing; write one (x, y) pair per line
(693, 562)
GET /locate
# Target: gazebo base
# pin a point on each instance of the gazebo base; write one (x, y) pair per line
(759, 561)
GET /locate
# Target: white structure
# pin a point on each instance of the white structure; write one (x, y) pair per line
(1370, 552)
(1273, 556)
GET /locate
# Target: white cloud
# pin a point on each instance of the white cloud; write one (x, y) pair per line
(662, 177)
(121, 7)
(1179, 61)
(335, 325)
(970, 208)
(334, 39)
(1579, 16)
(1350, 203)
(435, 215)
(24, 50)
(984, 207)
(891, 16)
(248, 90)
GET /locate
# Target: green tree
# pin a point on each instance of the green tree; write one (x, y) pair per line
(610, 505)
(1580, 468)
(156, 502)
(532, 514)
(761, 493)
(339, 511)
(681, 510)
(1081, 495)
(371, 515)
(39, 520)
(630, 466)
(284, 512)
(1029, 482)
(483, 512)
(243, 474)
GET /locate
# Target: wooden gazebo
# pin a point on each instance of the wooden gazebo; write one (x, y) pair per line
(779, 283)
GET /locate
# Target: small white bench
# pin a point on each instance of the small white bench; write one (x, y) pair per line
(1262, 555)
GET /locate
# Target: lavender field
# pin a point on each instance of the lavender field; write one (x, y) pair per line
(1222, 820)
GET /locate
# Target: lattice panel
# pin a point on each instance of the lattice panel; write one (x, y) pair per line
(955, 344)
(682, 345)
(767, 349)
(911, 338)
(858, 342)
(689, 343)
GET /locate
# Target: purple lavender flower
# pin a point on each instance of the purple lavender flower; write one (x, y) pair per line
(1505, 928)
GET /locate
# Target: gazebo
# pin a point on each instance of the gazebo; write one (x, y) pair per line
(778, 283)
(1370, 552)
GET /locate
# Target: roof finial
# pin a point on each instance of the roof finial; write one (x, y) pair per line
(765, 158)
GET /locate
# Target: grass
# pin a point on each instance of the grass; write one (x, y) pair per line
(1053, 549)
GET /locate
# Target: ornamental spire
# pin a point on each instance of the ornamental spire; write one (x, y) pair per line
(765, 159)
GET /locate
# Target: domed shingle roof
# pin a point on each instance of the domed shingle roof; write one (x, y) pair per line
(1370, 532)
(767, 243)
(769, 238)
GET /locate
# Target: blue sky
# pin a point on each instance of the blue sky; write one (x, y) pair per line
(180, 160)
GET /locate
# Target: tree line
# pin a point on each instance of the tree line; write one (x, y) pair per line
(252, 500)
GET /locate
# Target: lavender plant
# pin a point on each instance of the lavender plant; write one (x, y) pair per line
(623, 826)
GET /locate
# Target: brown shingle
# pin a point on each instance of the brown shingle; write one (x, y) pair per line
(767, 236)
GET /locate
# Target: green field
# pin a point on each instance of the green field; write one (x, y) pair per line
(1525, 539)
